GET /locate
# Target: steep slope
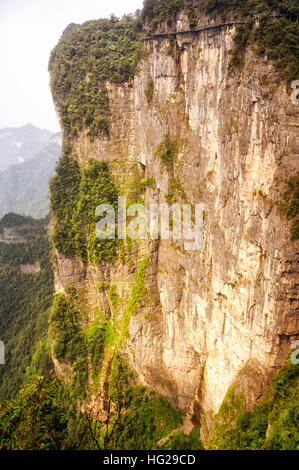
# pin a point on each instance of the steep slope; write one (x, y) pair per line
(186, 126)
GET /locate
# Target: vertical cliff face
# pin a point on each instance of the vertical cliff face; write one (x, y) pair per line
(225, 314)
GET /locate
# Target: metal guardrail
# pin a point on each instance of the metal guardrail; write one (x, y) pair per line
(199, 30)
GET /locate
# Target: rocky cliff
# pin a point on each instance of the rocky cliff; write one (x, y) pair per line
(193, 323)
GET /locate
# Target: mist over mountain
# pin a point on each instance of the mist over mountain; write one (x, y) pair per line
(33, 153)
(20, 144)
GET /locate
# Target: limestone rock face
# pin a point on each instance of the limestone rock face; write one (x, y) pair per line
(12, 235)
(234, 302)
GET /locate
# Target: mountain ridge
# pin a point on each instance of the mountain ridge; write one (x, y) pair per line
(24, 184)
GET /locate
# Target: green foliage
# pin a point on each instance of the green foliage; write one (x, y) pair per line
(275, 35)
(149, 183)
(33, 420)
(241, 40)
(64, 196)
(284, 415)
(149, 91)
(283, 402)
(150, 419)
(75, 345)
(72, 292)
(173, 46)
(237, 428)
(157, 11)
(141, 417)
(249, 430)
(25, 300)
(192, 16)
(138, 295)
(69, 339)
(75, 195)
(291, 197)
(176, 189)
(120, 387)
(96, 187)
(43, 416)
(167, 150)
(95, 340)
(102, 286)
(16, 254)
(84, 59)
(295, 230)
(89, 55)
(15, 220)
(70, 343)
(181, 441)
(146, 183)
(113, 296)
(290, 204)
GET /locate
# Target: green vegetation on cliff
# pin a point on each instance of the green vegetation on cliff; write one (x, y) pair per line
(271, 425)
(96, 336)
(181, 441)
(69, 339)
(290, 204)
(74, 345)
(89, 55)
(42, 416)
(167, 150)
(139, 295)
(84, 59)
(64, 190)
(274, 35)
(18, 221)
(25, 299)
(75, 195)
(33, 420)
(140, 417)
(157, 11)
(77, 344)
(96, 187)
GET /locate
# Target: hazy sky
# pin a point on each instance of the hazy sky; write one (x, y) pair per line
(29, 29)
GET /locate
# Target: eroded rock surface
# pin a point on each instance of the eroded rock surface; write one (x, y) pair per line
(234, 302)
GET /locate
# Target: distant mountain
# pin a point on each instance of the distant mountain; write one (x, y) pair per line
(24, 184)
(20, 144)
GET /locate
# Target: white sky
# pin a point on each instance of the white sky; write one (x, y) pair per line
(29, 29)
